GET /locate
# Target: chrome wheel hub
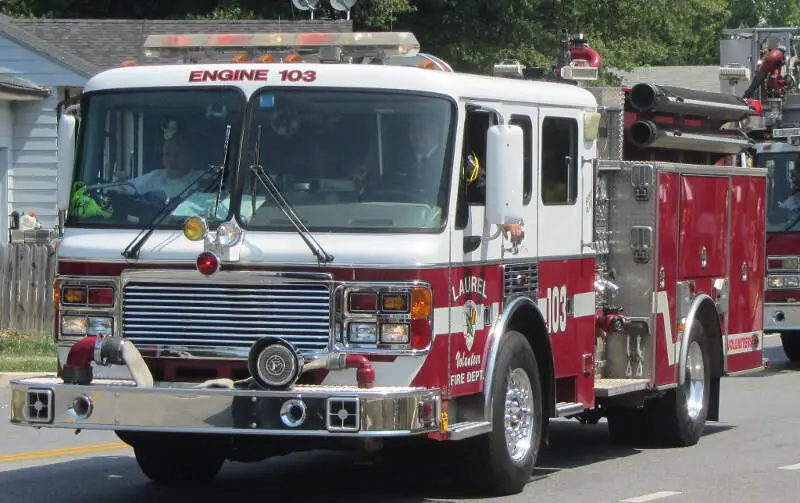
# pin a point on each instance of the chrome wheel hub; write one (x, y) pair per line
(694, 384)
(519, 420)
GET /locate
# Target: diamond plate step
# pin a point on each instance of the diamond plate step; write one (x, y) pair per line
(612, 387)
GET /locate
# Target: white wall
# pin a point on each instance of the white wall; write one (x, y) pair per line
(34, 137)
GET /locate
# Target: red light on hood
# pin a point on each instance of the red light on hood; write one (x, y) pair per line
(207, 263)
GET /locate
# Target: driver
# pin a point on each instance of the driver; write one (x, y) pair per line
(425, 162)
(418, 169)
(176, 174)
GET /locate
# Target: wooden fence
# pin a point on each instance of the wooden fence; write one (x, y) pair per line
(27, 270)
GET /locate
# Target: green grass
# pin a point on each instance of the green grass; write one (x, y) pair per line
(27, 353)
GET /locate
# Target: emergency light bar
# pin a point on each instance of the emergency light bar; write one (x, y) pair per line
(352, 43)
(788, 132)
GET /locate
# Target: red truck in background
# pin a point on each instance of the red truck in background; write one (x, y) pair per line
(762, 66)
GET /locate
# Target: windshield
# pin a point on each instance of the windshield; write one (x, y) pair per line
(140, 150)
(347, 160)
(783, 190)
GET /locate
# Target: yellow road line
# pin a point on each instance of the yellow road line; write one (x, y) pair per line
(66, 451)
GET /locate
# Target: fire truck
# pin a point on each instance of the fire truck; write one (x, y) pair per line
(761, 65)
(371, 249)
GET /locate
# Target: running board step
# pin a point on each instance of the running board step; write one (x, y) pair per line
(613, 387)
(468, 429)
(569, 409)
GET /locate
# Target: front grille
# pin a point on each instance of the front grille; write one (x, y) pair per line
(521, 279)
(227, 316)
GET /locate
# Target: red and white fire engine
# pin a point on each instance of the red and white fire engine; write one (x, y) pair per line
(300, 249)
(762, 65)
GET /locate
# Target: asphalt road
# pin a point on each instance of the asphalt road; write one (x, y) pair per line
(753, 455)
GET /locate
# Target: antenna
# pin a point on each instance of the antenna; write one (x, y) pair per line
(309, 5)
(343, 6)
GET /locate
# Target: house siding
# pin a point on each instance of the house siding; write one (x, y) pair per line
(5, 145)
(33, 135)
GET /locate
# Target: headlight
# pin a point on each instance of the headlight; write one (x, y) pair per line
(394, 333)
(73, 325)
(783, 282)
(228, 234)
(362, 333)
(82, 325)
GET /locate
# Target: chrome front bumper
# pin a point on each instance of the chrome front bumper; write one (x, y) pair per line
(329, 410)
(781, 316)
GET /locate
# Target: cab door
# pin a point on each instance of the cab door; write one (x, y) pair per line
(479, 257)
(566, 275)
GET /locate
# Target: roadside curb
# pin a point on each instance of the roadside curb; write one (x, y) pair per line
(6, 377)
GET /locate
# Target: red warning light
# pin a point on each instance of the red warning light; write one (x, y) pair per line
(207, 263)
(314, 38)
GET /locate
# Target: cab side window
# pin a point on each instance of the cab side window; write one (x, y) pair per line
(524, 122)
(475, 129)
(559, 162)
(471, 189)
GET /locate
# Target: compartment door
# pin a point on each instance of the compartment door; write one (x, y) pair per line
(703, 227)
(744, 340)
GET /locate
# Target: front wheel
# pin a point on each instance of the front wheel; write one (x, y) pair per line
(791, 346)
(503, 460)
(683, 410)
(177, 460)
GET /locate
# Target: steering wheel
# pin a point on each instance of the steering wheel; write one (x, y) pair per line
(142, 206)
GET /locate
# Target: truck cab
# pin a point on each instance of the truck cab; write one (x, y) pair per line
(782, 296)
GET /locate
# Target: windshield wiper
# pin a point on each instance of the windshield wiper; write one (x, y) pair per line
(224, 163)
(132, 250)
(286, 208)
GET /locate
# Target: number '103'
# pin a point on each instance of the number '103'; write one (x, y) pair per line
(297, 75)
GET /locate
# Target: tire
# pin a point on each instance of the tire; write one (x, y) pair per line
(791, 346)
(492, 466)
(177, 462)
(682, 412)
(627, 427)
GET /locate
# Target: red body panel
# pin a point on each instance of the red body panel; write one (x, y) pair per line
(703, 226)
(668, 197)
(783, 243)
(694, 214)
(477, 288)
(570, 337)
(745, 311)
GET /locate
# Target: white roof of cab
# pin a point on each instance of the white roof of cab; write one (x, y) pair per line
(456, 85)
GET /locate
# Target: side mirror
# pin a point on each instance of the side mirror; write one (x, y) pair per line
(66, 158)
(504, 174)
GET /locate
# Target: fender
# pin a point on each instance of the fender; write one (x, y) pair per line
(691, 319)
(496, 335)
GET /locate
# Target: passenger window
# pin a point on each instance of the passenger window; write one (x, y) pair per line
(471, 175)
(559, 161)
(524, 122)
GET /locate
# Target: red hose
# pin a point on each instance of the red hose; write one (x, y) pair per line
(365, 374)
(78, 368)
(81, 354)
(587, 53)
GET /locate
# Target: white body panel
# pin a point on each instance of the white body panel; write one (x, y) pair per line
(288, 248)
(356, 77)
